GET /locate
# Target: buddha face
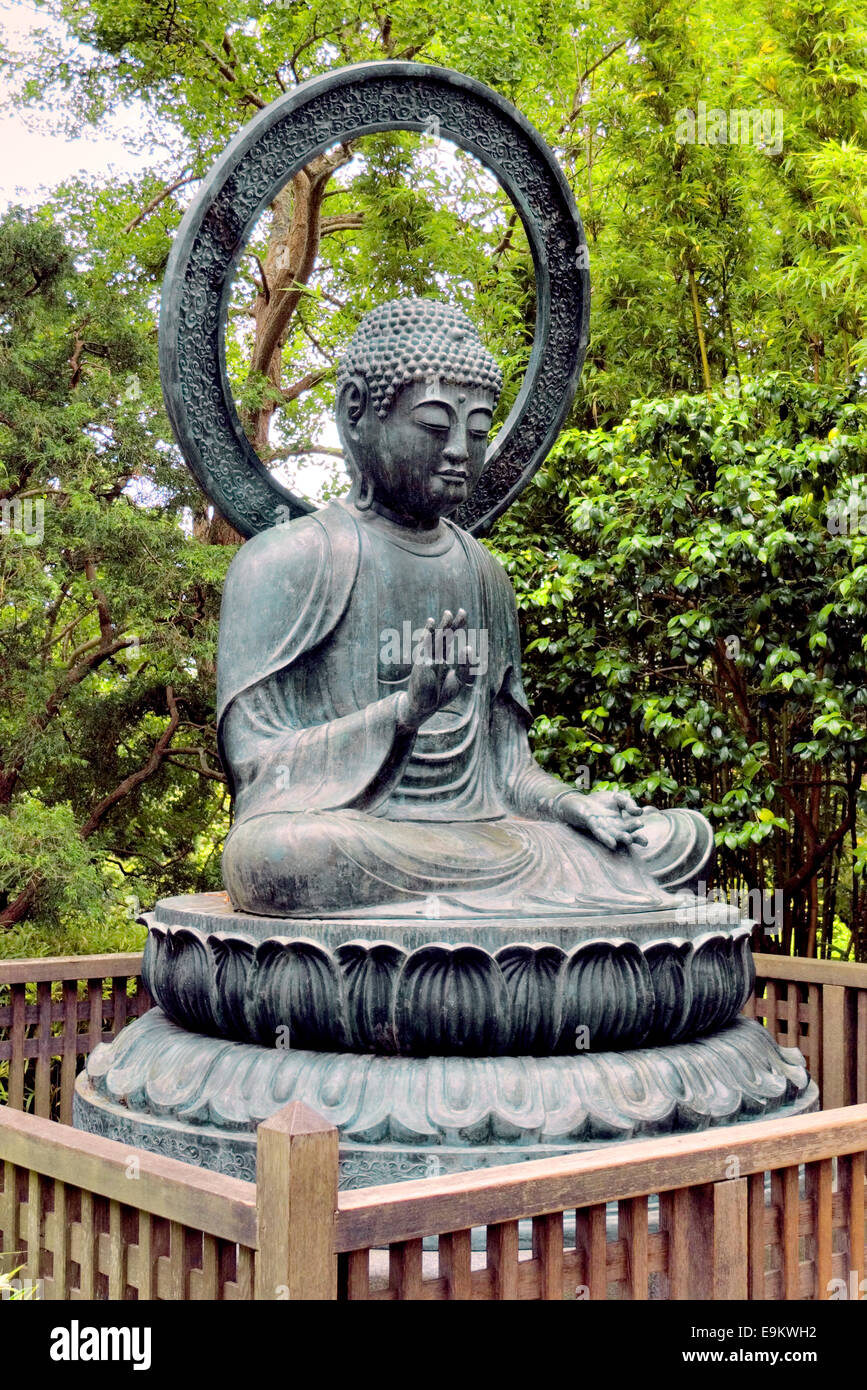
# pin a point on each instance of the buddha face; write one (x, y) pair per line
(425, 458)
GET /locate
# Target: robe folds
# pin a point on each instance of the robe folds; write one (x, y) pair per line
(338, 810)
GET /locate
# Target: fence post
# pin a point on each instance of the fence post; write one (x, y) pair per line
(296, 1201)
(833, 1081)
(730, 1239)
(708, 1244)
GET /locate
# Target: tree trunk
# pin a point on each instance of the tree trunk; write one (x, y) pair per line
(293, 247)
(702, 344)
(290, 261)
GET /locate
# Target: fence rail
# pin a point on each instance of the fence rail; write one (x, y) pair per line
(820, 1007)
(94, 1219)
(720, 1229)
(53, 1013)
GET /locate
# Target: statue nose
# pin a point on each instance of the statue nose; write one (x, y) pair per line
(456, 450)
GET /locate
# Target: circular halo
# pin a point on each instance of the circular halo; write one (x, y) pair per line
(325, 111)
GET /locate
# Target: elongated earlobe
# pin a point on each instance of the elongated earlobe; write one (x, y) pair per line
(351, 404)
(364, 500)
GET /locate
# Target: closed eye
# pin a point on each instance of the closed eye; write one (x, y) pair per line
(433, 417)
(479, 422)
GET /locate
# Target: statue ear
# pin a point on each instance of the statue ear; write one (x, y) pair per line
(352, 402)
(351, 405)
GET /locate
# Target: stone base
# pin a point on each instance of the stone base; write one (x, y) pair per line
(196, 1098)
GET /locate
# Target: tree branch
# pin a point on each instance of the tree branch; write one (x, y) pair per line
(506, 240)
(341, 222)
(304, 449)
(135, 779)
(305, 383)
(155, 202)
(265, 288)
(733, 680)
(20, 906)
(204, 769)
(577, 103)
(52, 639)
(609, 52)
(301, 249)
(227, 72)
(106, 626)
(821, 850)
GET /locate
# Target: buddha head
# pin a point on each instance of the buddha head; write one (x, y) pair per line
(416, 391)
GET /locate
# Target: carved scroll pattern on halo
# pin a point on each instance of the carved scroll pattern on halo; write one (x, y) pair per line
(198, 396)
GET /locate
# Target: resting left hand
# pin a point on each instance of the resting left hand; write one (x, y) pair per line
(612, 818)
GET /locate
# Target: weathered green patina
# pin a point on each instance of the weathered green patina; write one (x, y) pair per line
(365, 775)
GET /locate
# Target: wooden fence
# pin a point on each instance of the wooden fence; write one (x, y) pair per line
(821, 1007)
(94, 1219)
(720, 1229)
(770, 1210)
(53, 1013)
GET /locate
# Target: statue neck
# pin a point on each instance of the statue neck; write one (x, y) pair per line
(411, 534)
(419, 526)
(422, 529)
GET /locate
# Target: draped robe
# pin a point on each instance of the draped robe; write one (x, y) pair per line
(337, 809)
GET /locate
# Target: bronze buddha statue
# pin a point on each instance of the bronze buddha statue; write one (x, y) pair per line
(371, 713)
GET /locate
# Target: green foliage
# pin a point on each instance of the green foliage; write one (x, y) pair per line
(12, 1290)
(106, 606)
(39, 839)
(665, 523)
(770, 239)
(694, 630)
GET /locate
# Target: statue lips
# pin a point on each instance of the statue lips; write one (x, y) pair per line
(457, 486)
(453, 475)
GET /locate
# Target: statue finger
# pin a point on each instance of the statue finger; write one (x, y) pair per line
(450, 688)
(460, 619)
(605, 838)
(425, 646)
(639, 839)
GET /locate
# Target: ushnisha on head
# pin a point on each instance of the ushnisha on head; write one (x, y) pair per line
(415, 394)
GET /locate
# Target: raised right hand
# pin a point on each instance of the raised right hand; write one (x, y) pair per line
(437, 677)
